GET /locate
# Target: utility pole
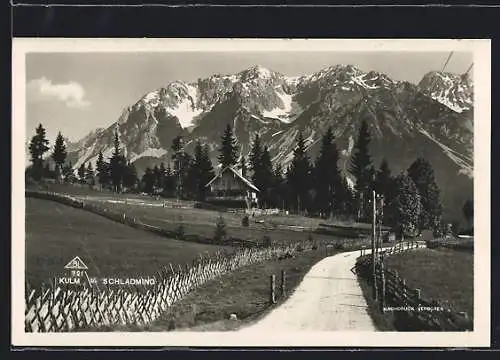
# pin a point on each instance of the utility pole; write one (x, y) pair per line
(374, 233)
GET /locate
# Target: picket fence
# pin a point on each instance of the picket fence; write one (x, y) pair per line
(56, 309)
(408, 305)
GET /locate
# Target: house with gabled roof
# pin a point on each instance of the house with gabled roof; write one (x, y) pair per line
(230, 185)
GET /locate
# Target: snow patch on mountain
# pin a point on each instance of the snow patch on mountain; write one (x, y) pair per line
(82, 158)
(263, 72)
(451, 90)
(151, 152)
(152, 98)
(283, 112)
(361, 82)
(185, 112)
(350, 146)
(443, 98)
(464, 162)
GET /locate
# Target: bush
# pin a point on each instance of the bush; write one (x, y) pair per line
(220, 230)
(180, 232)
(338, 245)
(245, 222)
(266, 241)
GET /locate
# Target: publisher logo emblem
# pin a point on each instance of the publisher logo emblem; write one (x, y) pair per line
(76, 264)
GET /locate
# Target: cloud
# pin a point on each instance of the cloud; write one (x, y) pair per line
(72, 94)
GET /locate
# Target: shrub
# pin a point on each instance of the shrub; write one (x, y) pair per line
(220, 230)
(245, 221)
(338, 245)
(266, 241)
(180, 232)
(433, 244)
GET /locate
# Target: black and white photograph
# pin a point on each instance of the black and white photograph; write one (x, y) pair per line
(251, 192)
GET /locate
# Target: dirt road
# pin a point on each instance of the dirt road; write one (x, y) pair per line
(328, 299)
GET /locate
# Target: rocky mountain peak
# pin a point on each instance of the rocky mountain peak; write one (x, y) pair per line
(403, 118)
(452, 90)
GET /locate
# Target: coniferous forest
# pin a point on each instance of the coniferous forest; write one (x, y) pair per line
(311, 187)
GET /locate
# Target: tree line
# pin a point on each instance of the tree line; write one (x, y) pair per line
(313, 187)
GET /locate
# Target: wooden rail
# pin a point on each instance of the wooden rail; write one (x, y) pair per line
(409, 306)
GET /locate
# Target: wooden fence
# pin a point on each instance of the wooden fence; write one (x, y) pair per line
(410, 309)
(56, 309)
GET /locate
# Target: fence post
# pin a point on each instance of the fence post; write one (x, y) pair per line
(283, 283)
(273, 289)
(382, 290)
(418, 293)
(405, 294)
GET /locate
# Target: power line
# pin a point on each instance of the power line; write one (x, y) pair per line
(470, 67)
(447, 60)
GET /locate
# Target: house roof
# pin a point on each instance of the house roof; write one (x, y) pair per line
(245, 180)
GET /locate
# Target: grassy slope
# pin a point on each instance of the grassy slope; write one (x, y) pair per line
(445, 275)
(244, 292)
(381, 321)
(201, 222)
(55, 233)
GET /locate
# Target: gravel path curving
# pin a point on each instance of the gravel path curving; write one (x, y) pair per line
(329, 298)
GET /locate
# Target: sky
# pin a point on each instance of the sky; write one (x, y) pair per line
(76, 93)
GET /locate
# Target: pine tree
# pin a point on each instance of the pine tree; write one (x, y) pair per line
(81, 173)
(228, 151)
(68, 174)
(298, 175)
(116, 165)
(177, 144)
(207, 171)
(193, 178)
(200, 172)
(422, 175)
(181, 164)
(265, 178)
(361, 170)
(38, 146)
(348, 203)
(255, 158)
(405, 209)
(130, 176)
(59, 153)
(169, 184)
(384, 184)
(383, 178)
(47, 172)
(156, 177)
(278, 193)
(328, 178)
(468, 211)
(161, 179)
(148, 181)
(89, 174)
(102, 170)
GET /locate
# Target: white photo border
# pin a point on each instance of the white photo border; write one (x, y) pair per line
(480, 337)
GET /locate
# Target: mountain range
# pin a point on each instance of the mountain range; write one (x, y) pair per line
(433, 119)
